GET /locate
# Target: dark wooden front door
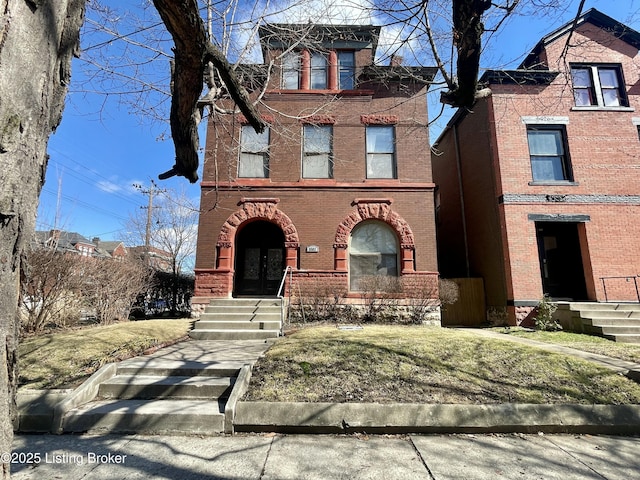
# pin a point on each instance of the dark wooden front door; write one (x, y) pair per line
(561, 260)
(259, 259)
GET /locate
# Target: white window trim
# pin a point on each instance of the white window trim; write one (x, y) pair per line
(597, 87)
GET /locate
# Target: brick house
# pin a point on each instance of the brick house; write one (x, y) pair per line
(67, 242)
(113, 249)
(337, 188)
(539, 187)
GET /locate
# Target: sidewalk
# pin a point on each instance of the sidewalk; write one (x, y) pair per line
(327, 457)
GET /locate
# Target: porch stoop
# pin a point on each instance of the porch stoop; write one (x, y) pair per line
(619, 322)
(158, 396)
(239, 319)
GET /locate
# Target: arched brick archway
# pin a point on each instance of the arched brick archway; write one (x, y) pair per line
(257, 209)
(374, 209)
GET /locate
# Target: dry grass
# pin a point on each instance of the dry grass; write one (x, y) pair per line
(427, 365)
(65, 359)
(587, 343)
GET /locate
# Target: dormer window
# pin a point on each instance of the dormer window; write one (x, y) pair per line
(346, 70)
(314, 70)
(291, 71)
(319, 69)
(598, 86)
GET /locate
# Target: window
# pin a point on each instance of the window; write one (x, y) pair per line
(600, 85)
(291, 71)
(317, 161)
(254, 153)
(547, 149)
(346, 70)
(318, 71)
(381, 152)
(373, 251)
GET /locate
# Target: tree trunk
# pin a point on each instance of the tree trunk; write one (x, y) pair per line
(467, 38)
(37, 41)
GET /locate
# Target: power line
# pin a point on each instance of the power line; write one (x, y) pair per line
(83, 204)
(85, 178)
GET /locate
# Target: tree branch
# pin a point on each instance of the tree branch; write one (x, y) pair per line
(192, 52)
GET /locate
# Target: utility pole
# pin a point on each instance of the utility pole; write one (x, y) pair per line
(151, 191)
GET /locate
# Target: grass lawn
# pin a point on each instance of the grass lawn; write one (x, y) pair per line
(65, 359)
(579, 341)
(427, 365)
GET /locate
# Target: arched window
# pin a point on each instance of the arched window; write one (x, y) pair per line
(373, 251)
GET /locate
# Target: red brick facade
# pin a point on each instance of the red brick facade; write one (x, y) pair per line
(498, 221)
(316, 216)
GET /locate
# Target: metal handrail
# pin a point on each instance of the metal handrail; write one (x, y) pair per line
(281, 296)
(635, 281)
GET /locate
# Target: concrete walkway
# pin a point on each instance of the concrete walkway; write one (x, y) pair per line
(204, 352)
(327, 457)
(624, 367)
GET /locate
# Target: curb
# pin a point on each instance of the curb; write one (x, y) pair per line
(418, 418)
(240, 386)
(83, 394)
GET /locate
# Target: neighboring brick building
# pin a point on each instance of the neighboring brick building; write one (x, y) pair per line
(337, 188)
(539, 187)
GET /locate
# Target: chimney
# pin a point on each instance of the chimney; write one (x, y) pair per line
(54, 238)
(395, 60)
(96, 241)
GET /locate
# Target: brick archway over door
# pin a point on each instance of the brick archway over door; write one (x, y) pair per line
(257, 209)
(374, 209)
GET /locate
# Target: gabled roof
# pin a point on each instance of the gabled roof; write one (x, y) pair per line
(64, 240)
(110, 246)
(593, 16)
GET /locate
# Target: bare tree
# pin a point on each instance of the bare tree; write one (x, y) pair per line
(50, 288)
(172, 225)
(111, 287)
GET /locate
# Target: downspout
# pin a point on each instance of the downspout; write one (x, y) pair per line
(462, 208)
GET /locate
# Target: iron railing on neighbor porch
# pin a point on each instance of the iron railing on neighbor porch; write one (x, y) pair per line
(631, 277)
(282, 292)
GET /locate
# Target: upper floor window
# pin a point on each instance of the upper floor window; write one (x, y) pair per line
(381, 161)
(317, 161)
(318, 63)
(315, 70)
(548, 153)
(346, 70)
(291, 71)
(598, 85)
(254, 153)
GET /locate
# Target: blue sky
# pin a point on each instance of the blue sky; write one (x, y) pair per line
(102, 147)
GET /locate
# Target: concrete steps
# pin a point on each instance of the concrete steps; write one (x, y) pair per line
(158, 395)
(145, 416)
(160, 387)
(239, 319)
(619, 322)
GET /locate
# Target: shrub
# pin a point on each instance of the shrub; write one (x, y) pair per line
(379, 293)
(319, 304)
(544, 315)
(449, 292)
